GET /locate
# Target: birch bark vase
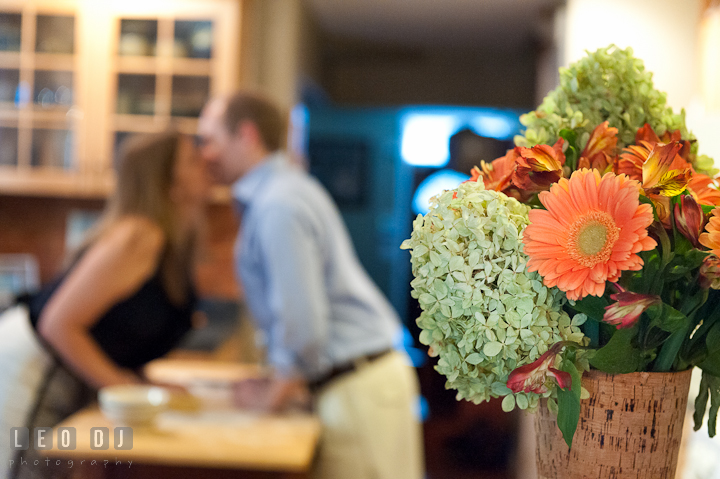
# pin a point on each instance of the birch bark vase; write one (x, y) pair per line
(630, 427)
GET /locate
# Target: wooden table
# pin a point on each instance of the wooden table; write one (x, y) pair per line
(213, 440)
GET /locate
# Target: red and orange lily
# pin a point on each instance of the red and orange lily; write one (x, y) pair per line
(710, 272)
(599, 153)
(658, 166)
(628, 308)
(661, 172)
(538, 167)
(689, 219)
(497, 175)
(646, 133)
(532, 377)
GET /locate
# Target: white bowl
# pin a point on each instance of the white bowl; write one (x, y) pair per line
(132, 405)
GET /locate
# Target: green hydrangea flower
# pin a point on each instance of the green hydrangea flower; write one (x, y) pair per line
(608, 84)
(483, 314)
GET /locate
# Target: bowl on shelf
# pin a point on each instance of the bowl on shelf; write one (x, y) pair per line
(133, 404)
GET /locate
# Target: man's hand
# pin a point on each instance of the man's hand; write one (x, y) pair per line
(273, 394)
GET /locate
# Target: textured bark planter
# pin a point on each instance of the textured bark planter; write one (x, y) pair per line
(630, 427)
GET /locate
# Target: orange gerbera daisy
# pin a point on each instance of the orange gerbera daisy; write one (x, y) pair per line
(711, 238)
(704, 189)
(590, 233)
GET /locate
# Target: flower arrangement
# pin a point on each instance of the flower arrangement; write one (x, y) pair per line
(595, 242)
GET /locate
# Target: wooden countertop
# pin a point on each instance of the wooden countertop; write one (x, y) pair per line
(213, 435)
(219, 439)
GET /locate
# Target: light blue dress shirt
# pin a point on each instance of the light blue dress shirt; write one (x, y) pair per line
(303, 282)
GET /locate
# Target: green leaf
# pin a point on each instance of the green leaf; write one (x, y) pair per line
(647, 201)
(666, 317)
(569, 135)
(492, 348)
(593, 306)
(642, 281)
(591, 329)
(473, 358)
(713, 339)
(711, 364)
(670, 349)
(686, 259)
(707, 209)
(619, 355)
(508, 403)
(682, 245)
(714, 404)
(569, 403)
(701, 402)
(709, 385)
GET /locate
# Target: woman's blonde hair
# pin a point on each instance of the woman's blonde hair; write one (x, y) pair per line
(145, 175)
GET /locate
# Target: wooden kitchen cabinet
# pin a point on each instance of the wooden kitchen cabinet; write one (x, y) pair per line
(77, 76)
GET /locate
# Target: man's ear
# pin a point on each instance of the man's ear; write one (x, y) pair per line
(248, 130)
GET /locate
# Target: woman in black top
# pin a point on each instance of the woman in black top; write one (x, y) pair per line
(126, 299)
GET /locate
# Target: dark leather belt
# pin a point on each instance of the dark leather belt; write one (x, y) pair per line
(343, 369)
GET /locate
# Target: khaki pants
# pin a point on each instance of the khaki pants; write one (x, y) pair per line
(371, 427)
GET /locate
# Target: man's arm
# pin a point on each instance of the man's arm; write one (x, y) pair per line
(297, 298)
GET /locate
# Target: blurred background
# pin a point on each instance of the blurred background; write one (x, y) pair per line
(390, 102)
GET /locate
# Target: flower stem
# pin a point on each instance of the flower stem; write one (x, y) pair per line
(667, 256)
(662, 235)
(670, 349)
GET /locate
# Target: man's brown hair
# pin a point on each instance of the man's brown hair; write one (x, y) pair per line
(260, 110)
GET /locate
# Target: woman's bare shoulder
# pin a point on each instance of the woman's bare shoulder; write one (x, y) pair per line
(135, 235)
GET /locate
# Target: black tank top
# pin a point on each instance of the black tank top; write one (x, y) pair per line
(136, 330)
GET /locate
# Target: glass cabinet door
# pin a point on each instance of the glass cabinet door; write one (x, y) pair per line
(37, 89)
(164, 75)
(189, 94)
(52, 148)
(8, 146)
(193, 39)
(53, 89)
(138, 38)
(55, 34)
(136, 94)
(10, 32)
(9, 83)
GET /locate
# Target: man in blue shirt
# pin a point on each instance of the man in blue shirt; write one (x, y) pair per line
(328, 327)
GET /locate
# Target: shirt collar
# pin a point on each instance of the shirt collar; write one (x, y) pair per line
(248, 185)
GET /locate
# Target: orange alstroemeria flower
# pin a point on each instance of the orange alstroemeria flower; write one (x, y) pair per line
(662, 172)
(646, 133)
(662, 159)
(538, 167)
(497, 175)
(599, 152)
(659, 178)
